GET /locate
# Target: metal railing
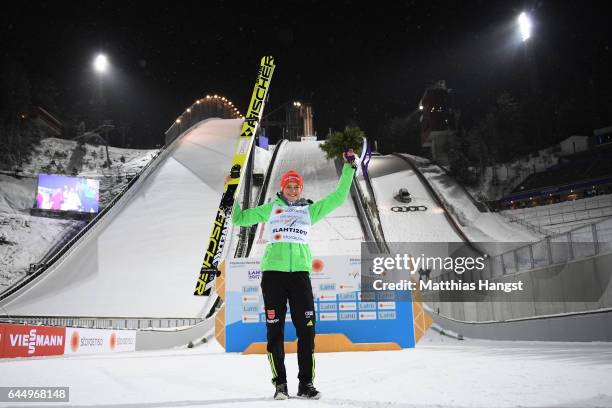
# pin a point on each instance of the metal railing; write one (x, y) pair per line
(558, 218)
(532, 227)
(579, 243)
(368, 201)
(140, 323)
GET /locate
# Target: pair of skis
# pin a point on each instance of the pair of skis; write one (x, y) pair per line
(214, 250)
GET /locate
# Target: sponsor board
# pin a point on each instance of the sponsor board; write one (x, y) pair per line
(250, 299)
(2, 335)
(251, 318)
(367, 306)
(326, 296)
(366, 296)
(249, 290)
(347, 306)
(97, 341)
(387, 315)
(254, 308)
(254, 275)
(385, 296)
(30, 341)
(347, 296)
(326, 306)
(326, 317)
(348, 315)
(386, 305)
(339, 306)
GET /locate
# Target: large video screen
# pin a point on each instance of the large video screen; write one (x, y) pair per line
(63, 193)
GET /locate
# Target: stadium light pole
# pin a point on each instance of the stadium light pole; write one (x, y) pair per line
(101, 67)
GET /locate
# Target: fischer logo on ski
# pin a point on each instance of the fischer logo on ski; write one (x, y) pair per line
(216, 242)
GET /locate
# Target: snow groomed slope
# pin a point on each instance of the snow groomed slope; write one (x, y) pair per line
(339, 232)
(478, 226)
(142, 258)
(426, 223)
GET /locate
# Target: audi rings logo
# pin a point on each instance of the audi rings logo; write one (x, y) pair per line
(409, 208)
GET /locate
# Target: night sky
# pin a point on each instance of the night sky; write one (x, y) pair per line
(356, 62)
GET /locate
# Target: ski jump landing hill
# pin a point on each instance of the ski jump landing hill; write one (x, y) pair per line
(340, 231)
(141, 259)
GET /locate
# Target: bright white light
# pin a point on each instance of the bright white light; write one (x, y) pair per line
(420, 107)
(101, 63)
(524, 26)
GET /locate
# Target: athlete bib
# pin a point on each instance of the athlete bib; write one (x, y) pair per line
(289, 224)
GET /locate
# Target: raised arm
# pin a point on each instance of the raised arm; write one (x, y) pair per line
(334, 200)
(251, 216)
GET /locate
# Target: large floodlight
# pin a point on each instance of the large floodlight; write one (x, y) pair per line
(524, 26)
(101, 63)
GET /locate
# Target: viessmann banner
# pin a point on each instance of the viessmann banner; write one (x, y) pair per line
(18, 340)
(340, 306)
(31, 341)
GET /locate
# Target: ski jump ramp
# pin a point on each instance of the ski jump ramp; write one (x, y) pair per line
(388, 174)
(143, 258)
(338, 233)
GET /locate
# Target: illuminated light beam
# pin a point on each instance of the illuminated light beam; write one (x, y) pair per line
(524, 26)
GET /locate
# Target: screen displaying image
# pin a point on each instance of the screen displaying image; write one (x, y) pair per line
(64, 193)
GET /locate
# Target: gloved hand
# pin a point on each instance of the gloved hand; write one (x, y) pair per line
(350, 158)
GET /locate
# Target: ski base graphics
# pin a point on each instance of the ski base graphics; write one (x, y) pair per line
(216, 242)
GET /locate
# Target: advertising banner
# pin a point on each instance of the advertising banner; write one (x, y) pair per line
(2, 336)
(29, 341)
(98, 341)
(340, 306)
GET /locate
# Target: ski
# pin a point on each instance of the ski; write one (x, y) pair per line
(361, 163)
(365, 154)
(214, 250)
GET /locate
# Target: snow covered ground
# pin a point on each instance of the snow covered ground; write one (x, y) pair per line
(440, 372)
(338, 233)
(478, 226)
(149, 246)
(27, 238)
(55, 156)
(499, 180)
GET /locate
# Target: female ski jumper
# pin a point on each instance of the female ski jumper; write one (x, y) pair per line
(286, 265)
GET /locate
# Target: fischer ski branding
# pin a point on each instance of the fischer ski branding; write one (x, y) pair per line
(216, 242)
